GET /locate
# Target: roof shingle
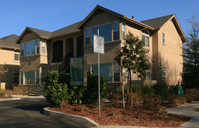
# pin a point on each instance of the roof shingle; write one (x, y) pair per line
(157, 22)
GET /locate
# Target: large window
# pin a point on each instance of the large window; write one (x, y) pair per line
(105, 70)
(87, 37)
(116, 30)
(37, 46)
(104, 31)
(29, 77)
(22, 49)
(58, 51)
(146, 40)
(30, 48)
(116, 72)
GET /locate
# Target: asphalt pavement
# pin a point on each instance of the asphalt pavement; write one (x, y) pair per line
(28, 114)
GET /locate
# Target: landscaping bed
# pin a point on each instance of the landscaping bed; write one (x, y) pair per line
(115, 115)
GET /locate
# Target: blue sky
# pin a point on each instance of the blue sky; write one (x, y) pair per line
(51, 15)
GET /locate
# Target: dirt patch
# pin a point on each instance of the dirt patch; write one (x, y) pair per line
(136, 116)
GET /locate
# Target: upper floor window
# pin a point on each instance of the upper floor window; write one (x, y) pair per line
(57, 51)
(87, 36)
(123, 31)
(146, 40)
(104, 31)
(37, 46)
(16, 56)
(163, 38)
(30, 48)
(22, 49)
(116, 30)
(107, 31)
(43, 46)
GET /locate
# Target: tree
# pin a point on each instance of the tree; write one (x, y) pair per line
(3, 70)
(133, 57)
(191, 55)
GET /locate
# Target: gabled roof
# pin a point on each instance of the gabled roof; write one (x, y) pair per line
(11, 38)
(157, 22)
(41, 33)
(160, 21)
(117, 15)
(9, 42)
(66, 30)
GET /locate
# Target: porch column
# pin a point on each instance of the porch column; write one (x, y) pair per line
(75, 47)
(40, 73)
(64, 48)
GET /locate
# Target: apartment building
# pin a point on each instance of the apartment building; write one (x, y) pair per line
(10, 60)
(43, 50)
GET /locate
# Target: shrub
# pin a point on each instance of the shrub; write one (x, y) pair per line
(54, 91)
(147, 90)
(136, 88)
(162, 90)
(90, 95)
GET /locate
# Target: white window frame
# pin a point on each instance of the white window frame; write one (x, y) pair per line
(146, 35)
(16, 53)
(123, 36)
(44, 45)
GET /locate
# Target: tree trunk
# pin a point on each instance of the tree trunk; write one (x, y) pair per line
(131, 96)
(123, 100)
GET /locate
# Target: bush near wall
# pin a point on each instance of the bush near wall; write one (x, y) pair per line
(54, 91)
(58, 89)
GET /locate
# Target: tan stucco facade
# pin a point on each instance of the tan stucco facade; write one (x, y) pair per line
(12, 66)
(169, 54)
(165, 58)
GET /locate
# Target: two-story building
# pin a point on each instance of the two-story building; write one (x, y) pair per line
(43, 50)
(10, 60)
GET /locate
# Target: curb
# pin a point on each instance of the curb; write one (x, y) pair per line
(10, 99)
(81, 119)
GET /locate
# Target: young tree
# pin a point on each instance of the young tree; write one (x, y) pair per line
(133, 58)
(3, 70)
(191, 55)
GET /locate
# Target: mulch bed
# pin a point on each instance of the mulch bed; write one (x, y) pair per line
(136, 116)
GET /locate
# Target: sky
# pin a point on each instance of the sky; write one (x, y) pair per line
(51, 15)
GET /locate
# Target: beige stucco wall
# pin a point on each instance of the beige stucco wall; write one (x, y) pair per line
(12, 66)
(7, 57)
(170, 53)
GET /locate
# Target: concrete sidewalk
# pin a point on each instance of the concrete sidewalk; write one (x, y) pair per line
(26, 97)
(187, 110)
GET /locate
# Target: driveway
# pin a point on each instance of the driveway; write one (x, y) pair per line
(28, 114)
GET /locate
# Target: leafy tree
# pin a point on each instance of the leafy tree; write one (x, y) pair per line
(133, 58)
(191, 55)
